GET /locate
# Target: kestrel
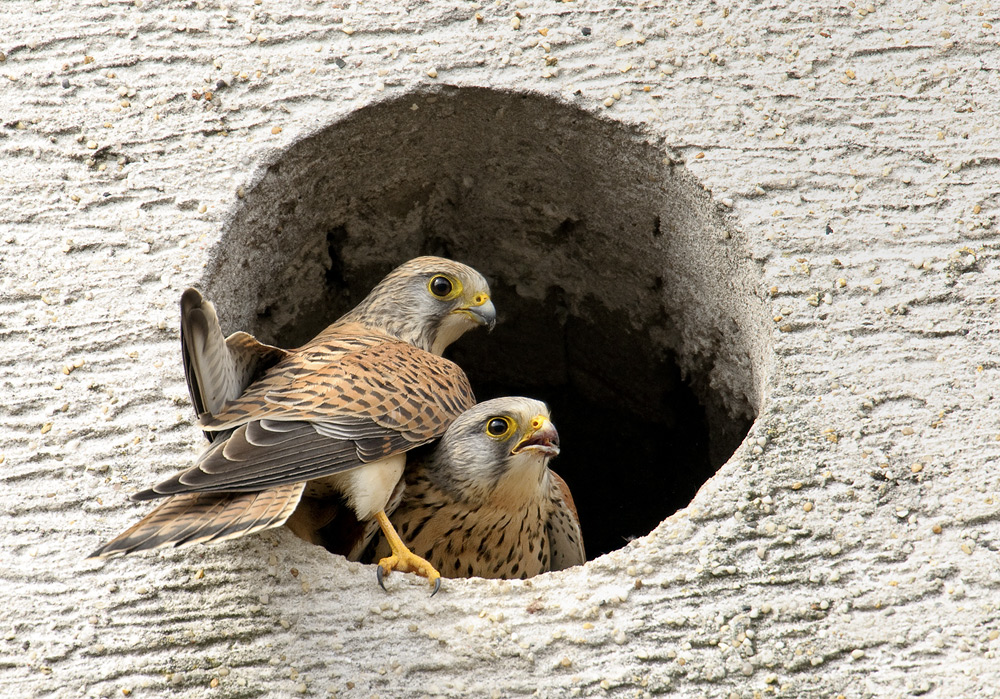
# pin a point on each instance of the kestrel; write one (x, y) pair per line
(328, 422)
(483, 501)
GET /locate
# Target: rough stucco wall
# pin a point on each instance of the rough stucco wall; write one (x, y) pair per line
(849, 547)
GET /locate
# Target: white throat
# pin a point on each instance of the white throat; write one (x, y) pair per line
(452, 327)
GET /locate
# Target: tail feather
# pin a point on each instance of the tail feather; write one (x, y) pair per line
(197, 518)
(218, 369)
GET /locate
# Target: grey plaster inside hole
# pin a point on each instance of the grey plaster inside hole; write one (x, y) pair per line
(625, 300)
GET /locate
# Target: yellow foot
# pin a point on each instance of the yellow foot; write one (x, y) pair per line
(410, 563)
(402, 559)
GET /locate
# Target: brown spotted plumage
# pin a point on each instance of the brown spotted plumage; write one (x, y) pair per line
(483, 502)
(331, 420)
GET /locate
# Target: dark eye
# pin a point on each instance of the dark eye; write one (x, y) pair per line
(440, 286)
(498, 426)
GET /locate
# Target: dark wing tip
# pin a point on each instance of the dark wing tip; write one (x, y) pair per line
(191, 298)
(108, 550)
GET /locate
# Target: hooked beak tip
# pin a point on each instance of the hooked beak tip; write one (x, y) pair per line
(484, 314)
(544, 440)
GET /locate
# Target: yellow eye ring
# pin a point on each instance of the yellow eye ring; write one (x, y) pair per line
(499, 427)
(444, 287)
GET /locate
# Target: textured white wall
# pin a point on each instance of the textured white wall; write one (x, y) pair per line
(849, 547)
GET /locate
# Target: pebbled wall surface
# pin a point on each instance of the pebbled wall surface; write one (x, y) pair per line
(851, 546)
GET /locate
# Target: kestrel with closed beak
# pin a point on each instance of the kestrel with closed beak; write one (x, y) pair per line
(328, 422)
(483, 501)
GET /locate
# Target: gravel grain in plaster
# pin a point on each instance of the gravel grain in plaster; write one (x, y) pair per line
(850, 144)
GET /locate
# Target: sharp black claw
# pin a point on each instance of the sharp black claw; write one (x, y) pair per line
(379, 576)
(437, 586)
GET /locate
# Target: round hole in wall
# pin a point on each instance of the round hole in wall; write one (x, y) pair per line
(626, 301)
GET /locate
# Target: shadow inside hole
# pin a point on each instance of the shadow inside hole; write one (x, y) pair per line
(635, 439)
(636, 442)
(624, 301)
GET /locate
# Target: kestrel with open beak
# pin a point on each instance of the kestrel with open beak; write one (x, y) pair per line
(483, 501)
(329, 421)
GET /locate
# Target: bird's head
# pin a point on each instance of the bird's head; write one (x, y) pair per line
(498, 449)
(429, 302)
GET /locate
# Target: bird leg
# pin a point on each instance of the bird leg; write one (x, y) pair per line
(402, 559)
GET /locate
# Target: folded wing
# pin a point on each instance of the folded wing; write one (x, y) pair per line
(563, 528)
(336, 404)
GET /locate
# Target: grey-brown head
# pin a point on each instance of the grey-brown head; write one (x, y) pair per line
(498, 450)
(429, 302)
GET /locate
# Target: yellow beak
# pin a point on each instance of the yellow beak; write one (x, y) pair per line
(542, 437)
(481, 310)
